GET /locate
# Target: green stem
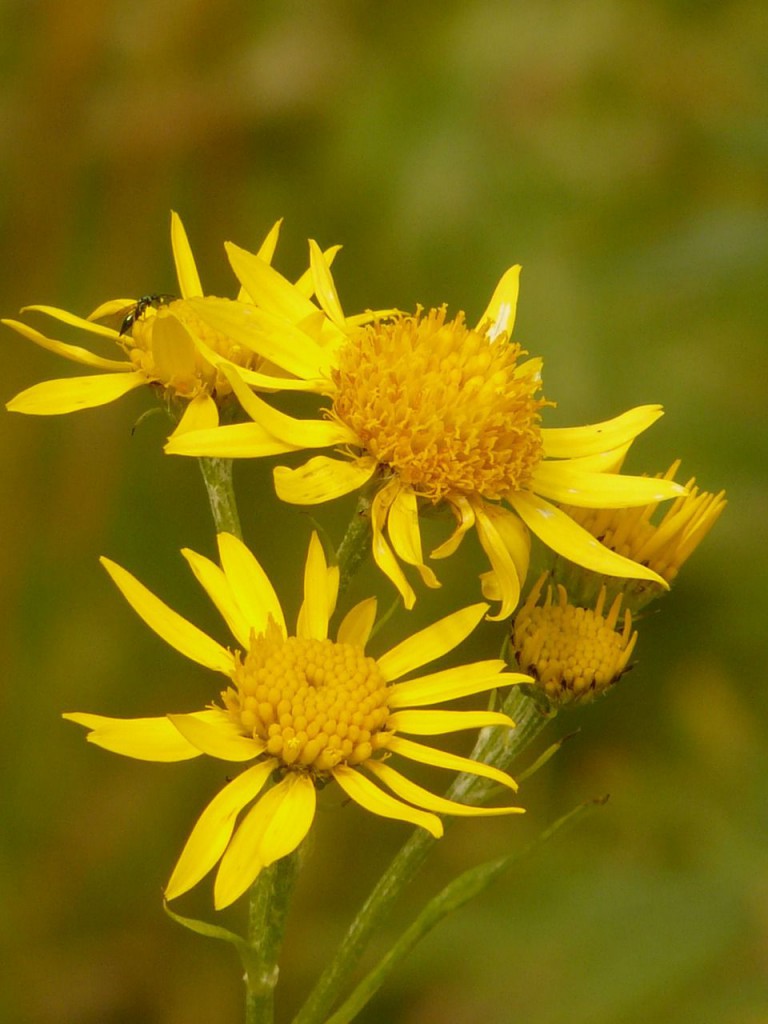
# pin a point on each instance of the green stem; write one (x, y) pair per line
(356, 543)
(217, 474)
(338, 974)
(270, 898)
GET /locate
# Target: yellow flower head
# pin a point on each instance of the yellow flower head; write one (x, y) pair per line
(662, 545)
(574, 654)
(304, 710)
(425, 410)
(160, 341)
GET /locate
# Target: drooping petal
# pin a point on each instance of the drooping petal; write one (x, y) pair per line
(559, 532)
(54, 397)
(73, 352)
(233, 441)
(502, 563)
(383, 555)
(403, 529)
(316, 609)
(215, 583)
(186, 270)
(571, 442)
(442, 759)
(408, 790)
(213, 830)
(322, 479)
(251, 587)
(356, 626)
(201, 413)
(436, 723)
(146, 739)
(430, 643)
(452, 683)
(270, 830)
(375, 800)
(218, 737)
(465, 520)
(571, 485)
(168, 624)
(502, 308)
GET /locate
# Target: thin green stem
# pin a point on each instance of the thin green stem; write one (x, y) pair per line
(217, 474)
(270, 899)
(334, 981)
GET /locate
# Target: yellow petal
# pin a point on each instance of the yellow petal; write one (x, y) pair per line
(502, 563)
(267, 287)
(303, 433)
(271, 336)
(436, 723)
(168, 624)
(430, 643)
(72, 352)
(383, 555)
(465, 520)
(272, 829)
(315, 609)
(305, 284)
(266, 250)
(117, 305)
(173, 349)
(408, 790)
(322, 479)
(357, 624)
(442, 759)
(571, 442)
(186, 270)
(233, 441)
(568, 484)
(201, 413)
(559, 532)
(403, 528)
(324, 286)
(146, 739)
(215, 584)
(213, 830)
(451, 683)
(218, 737)
(250, 585)
(54, 397)
(375, 800)
(502, 308)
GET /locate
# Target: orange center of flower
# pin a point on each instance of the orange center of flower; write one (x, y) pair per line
(446, 408)
(314, 703)
(573, 653)
(161, 346)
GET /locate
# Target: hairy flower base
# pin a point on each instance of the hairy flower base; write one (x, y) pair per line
(305, 710)
(574, 654)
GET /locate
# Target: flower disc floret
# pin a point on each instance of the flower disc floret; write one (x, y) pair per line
(440, 406)
(314, 703)
(574, 653)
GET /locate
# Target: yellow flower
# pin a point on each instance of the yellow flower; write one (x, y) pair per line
(428, 411)
(664, 545)
(160, 341)
(574, 654)
(305, 710)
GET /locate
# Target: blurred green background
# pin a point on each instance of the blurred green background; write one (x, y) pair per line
(618, 151)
